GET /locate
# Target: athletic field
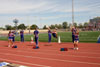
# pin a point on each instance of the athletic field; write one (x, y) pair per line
(65, 37)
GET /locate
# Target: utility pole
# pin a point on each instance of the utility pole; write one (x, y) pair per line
(73, 12)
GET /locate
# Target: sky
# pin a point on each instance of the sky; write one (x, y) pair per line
(47, 12)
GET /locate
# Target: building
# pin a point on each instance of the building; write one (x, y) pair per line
(94, 24)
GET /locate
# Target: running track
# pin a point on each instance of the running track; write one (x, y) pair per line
(88, 55)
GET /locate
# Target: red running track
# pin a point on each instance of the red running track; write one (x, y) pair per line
(88, 55)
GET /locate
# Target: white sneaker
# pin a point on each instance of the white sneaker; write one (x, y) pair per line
(8, 45)
(77, 48)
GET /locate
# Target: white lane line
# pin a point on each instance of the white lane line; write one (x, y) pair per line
(87, 52)
(68, 51)
(86, 49)
(59, 49)
(71, 51)
(24, 62)
(52, 59)
(54, 54)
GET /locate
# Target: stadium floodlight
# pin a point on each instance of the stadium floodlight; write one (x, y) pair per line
(16, 23)
(29, 28)
(73, 12)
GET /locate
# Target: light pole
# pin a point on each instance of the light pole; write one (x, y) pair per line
(73, 12)
(28, 18)
(29, 28)
(16, 23)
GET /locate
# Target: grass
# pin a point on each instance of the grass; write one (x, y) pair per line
(65, 37)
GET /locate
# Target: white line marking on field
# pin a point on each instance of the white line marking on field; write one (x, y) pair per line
(24, 62)
(54, 54)
(72, 52)
(87, 52)
(53, 59)
(68, 51)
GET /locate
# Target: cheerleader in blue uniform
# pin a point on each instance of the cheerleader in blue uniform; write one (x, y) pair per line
(22, 36)
(76, 40)
(13, 36)
(54, 33)
(49, 35)
(36, 34)
(10, 38)
(73, 33)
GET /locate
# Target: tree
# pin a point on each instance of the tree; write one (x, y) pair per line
(44, 27)
(13, 28)
(56, 25)
(64, 24)
(8, 27)
(70, 25)
(85, 24)
(22, 26)
(59, 26)
(80, 25)
(1, 28)
(52, 26)
(33, 26)
(75, 24)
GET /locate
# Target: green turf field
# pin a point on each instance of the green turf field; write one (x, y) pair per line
(65, 37)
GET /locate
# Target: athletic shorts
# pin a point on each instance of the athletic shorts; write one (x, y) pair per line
(54, 35)
(76, 40)
(10, 38)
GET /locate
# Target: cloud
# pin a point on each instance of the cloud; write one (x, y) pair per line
(18, 6)
(55, 17)
(36, 6)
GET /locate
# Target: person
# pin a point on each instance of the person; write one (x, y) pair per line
(49, 35)
(13, 36)
(10, 38)
(76, 40)
(22, 36)
(54, 33)
(36, 36)
(73, 33)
